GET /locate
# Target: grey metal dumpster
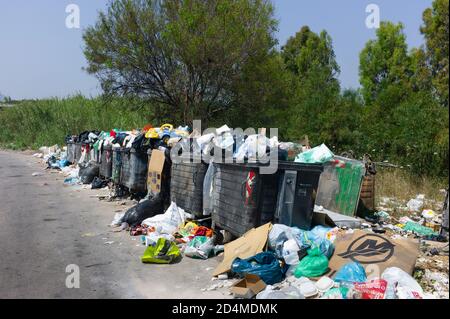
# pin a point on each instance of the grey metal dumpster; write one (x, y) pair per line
(298, 185)
(134, 170)
(116, 165)
(186, 185)
(106, 162)
(77, 152)
(243, 197)
(71, 152)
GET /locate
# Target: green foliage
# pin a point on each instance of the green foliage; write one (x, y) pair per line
(216, 61)
(32, 124)
(435, 30)
(403, 119)
(385, 67)
(185, 54)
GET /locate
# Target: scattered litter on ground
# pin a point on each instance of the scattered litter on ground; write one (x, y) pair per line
(398, 251)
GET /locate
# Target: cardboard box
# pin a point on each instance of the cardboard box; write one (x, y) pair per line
(155, 168)
(374, 252)
(250, 244)
(248, 287)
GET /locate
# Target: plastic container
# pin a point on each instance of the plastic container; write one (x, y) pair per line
(186, 185)
(106, 162)
(134, 170)
(324, 284)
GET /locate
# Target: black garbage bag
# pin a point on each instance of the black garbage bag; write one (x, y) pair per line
(145, 209)
(88, 172)
(98, 183)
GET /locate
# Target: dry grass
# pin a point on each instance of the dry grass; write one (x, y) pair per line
(401, 186)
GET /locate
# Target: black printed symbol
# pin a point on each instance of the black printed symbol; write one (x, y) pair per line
(367, 247)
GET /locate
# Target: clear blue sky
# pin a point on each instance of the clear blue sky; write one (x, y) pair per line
(40, 57)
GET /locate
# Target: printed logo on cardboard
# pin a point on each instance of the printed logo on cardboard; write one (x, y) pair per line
(369, 249)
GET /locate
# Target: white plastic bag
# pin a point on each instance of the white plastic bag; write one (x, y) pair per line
(415, 204)
(208, 190)
(284, 293)
(169, 222)
(152, 238)
(290, 252)
(117, 221)
(407, 286)
(276, 231)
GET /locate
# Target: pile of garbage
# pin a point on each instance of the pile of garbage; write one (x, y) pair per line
(169, 235)
(382, 260)
(325, 263)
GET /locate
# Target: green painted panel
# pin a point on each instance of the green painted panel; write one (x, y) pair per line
(340, 186)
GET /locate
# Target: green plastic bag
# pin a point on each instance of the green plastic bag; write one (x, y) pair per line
(319, 154)
(313, 265)
(164, 252)
(419, 229)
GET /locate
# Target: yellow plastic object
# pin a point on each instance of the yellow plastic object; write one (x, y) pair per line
(167, 126)
(151, 134)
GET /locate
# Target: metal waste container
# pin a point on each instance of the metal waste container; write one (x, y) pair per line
(243, 198)
(186, 184)
(94, 154)
(106, 162)
(298, 186)
(133, 174)
(116, 165)
(71, 152)
(77, 152)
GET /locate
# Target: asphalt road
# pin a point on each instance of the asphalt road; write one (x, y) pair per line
(45, 226)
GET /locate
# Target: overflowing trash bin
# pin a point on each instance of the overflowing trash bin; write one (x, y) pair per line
(186, 186)
(243, 197)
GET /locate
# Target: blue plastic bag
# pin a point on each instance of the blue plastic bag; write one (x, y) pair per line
(312, 240)
(351, 272)
(265, 265)
(321, 231)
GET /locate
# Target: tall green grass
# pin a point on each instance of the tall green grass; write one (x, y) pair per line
(32, 124)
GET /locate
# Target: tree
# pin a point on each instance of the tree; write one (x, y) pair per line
(185, 55)
(307, 53)
(436, 33)
(385, 67)
(311, 62)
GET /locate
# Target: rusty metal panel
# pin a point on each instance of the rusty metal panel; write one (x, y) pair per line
(368, 192)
